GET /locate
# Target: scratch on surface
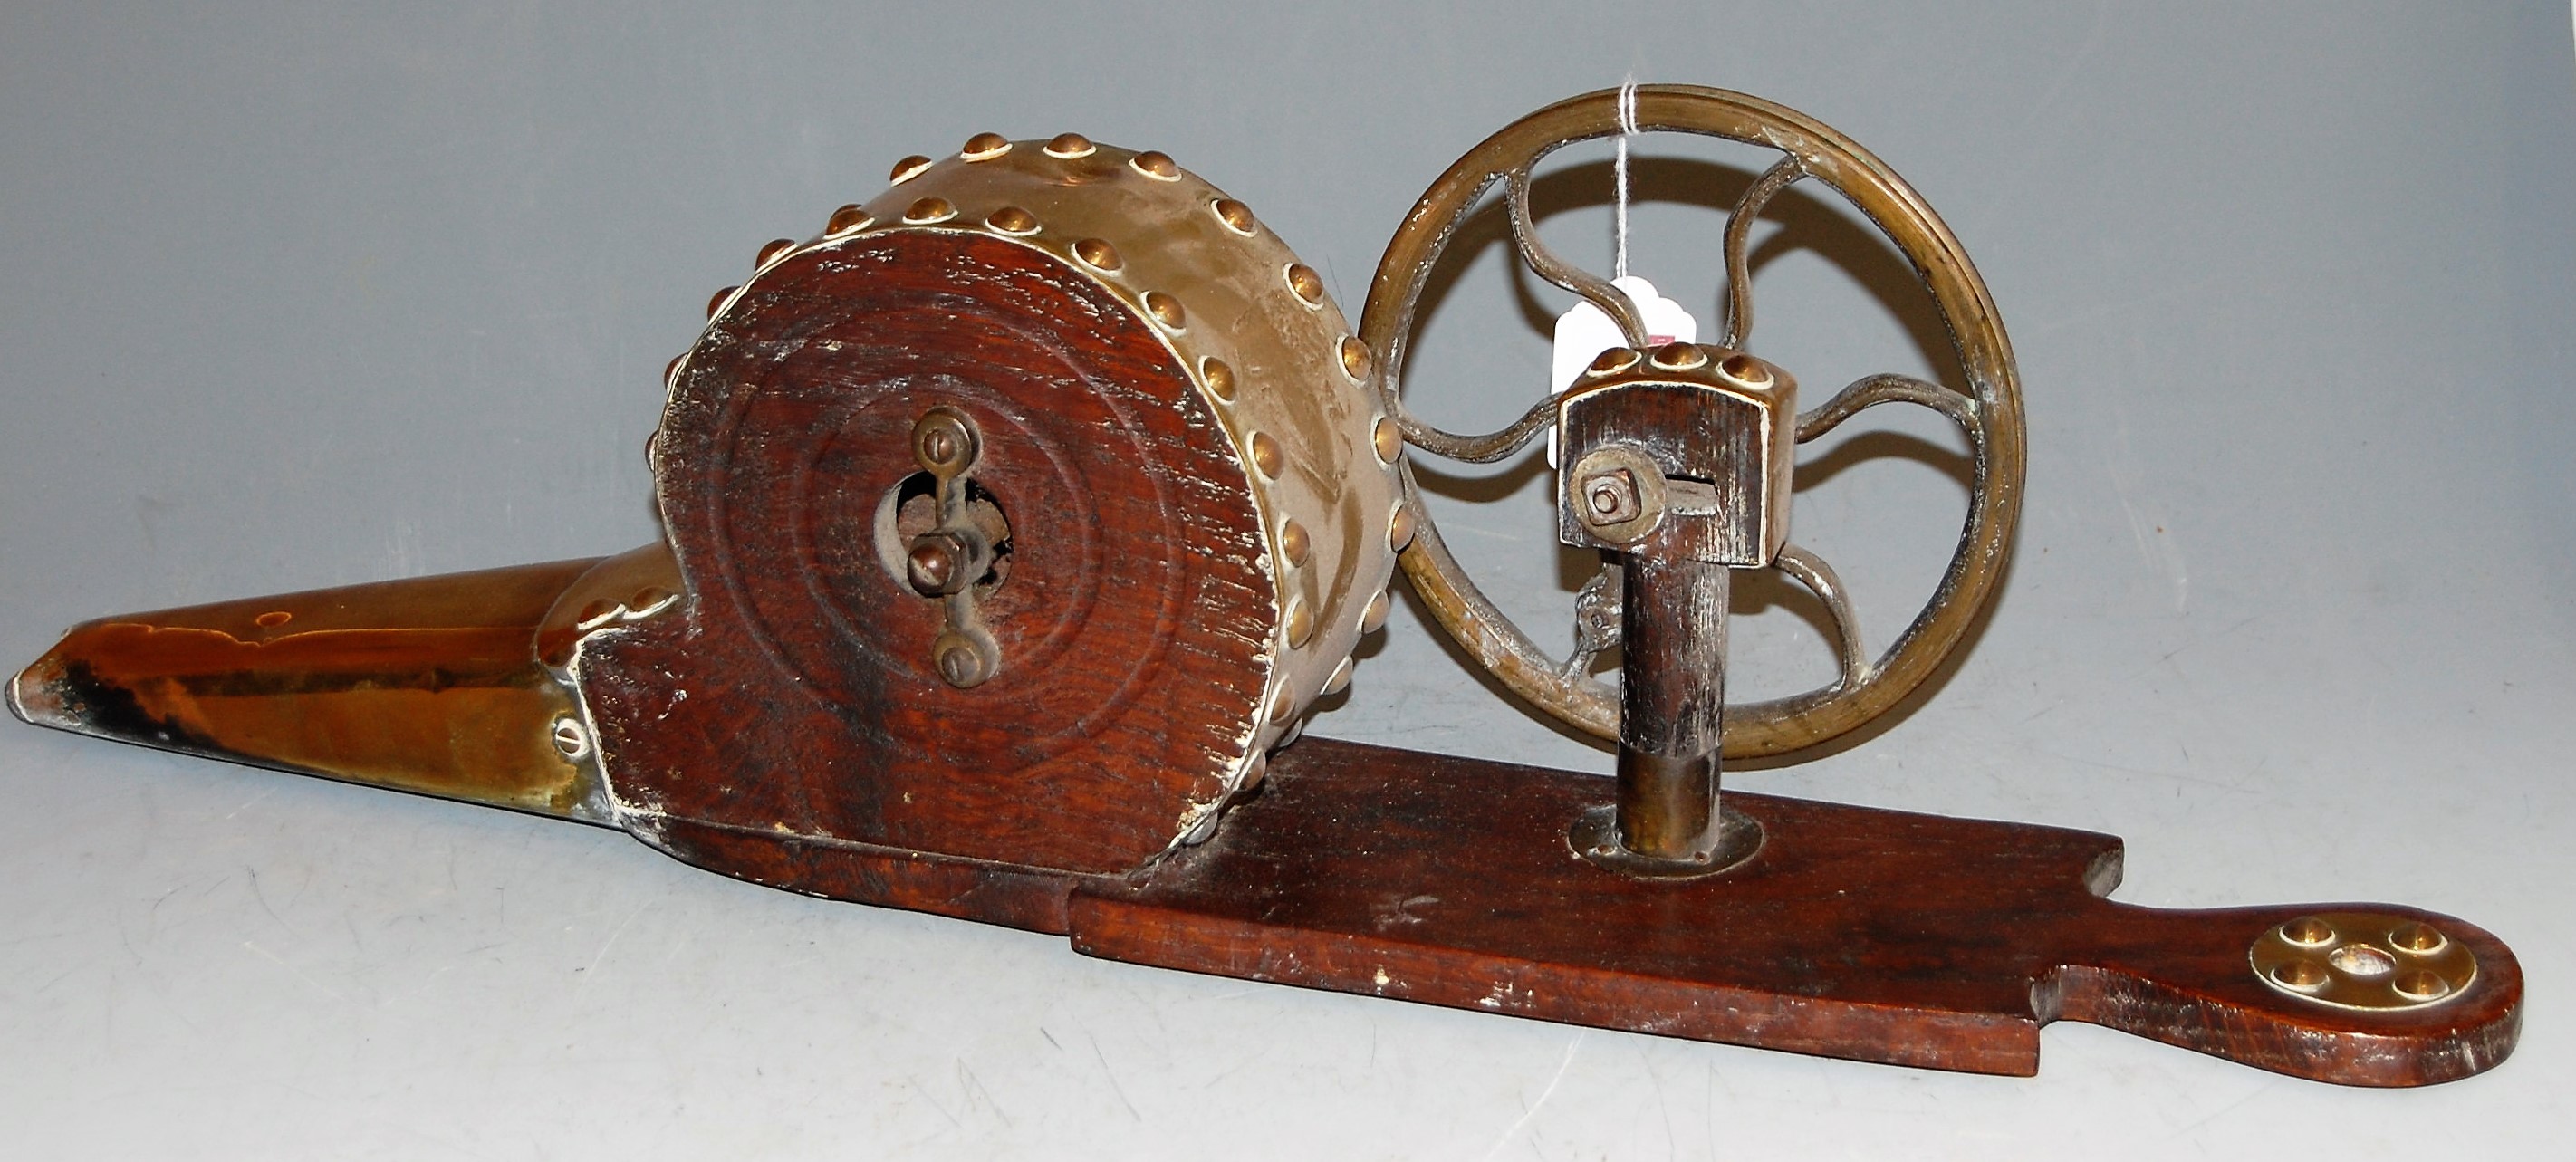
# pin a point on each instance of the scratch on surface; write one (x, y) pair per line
(1544, 1094)
(973, 1087)
(253, 801)
(1114, 1087)
(2156, 547)
(611, 942)
(300, 974)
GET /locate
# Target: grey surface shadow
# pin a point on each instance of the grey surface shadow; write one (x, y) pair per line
(1802, 221)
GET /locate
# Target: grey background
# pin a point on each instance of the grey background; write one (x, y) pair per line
(300, 296)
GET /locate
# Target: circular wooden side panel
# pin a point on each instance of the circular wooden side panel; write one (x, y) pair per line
(796, 690)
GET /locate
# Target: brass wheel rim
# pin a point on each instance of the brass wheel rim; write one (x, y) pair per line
(1989, 414)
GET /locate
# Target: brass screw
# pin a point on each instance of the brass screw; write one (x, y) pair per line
(1266, 456)
(1388, 438)
(1069, 145)
(717, 303)
(1293, 543)
(1305, 284)
(570, 738)
(776, 247)
(1610, 498)
(908, 169)
(1096, 254)
(1219, 377)
(1679, 356)
(2307, 932)
(2417, 937)
(1154, 163)
(929, 210)
(1012, 220)
(985, 146)
(1613, 360)
(1355, 359)
(962, 666)
(1166, 310)
(942, 442)
(846, 219)
(1236, 216)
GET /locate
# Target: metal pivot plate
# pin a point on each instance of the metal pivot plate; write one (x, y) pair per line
(2370, 961)
(1989, 413)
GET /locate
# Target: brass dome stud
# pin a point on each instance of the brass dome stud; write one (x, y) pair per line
(1012, 220)
(908, 169)
(1156, 164)
(1340, 681)
(1745, 369)
(1294, 544)
(1679, 356)
(2308, 932)
(2303, 975)
(1373, 618)
(1069, 146)
(1301, 623)
(1236, 216)
(1387, 438)
(929, 210)
(1166, 311)
(985, 147)
(2417, 937)
(1219, 378)
(1283, 706)
(1613, 361)
(846, 219)
(671, 370)
(1097, 254)
(1399, 527)
(717, 303)
(2421, 985)
(770, 253)
(1266, 457)
(1305, 284)
(1355, 359)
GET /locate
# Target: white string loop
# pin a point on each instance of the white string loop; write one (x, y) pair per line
(1619, 175)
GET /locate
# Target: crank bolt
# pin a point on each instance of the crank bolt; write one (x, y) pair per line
(936, 566)
(1610, 497)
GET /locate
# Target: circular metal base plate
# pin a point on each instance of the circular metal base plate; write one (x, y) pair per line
(1595, 837)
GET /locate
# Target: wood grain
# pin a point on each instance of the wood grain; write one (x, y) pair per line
(794, 694)
(1875, 935)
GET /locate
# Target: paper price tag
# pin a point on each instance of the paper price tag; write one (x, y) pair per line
(1583, 333)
